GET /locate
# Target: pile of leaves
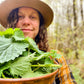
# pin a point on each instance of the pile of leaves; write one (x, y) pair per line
(20, 57)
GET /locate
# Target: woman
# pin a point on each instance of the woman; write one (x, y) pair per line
(33, 17)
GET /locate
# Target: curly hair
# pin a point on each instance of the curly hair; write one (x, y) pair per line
(41, 38)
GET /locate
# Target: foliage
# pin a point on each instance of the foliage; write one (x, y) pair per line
(67, 33)
(70, 43)
(21, 57)
(78, 68)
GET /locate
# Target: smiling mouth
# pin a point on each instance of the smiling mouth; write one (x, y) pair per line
(26, 30)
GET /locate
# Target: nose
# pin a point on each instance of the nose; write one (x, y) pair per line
(26, 21)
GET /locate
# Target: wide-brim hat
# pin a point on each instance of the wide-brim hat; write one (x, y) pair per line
(8, 5)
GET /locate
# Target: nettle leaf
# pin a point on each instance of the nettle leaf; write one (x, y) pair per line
(24, 56)
(20, 66)
(48, 61)
(4, 67)
(10, 50)
(7, 33)
(34, 74)
(33, 45)
(18, 35)
(4, 43)
(54, 54)
(44, 55)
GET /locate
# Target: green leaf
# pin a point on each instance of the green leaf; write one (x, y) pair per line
(18, 35)
(7, 33)
(20, 66)
(24, 56)
(33, 45)
(54, 54)
(10, 50)
(34, 74)
(44, 55)
(4, 67)
(47, 67)
(48, 61)
(4, 43)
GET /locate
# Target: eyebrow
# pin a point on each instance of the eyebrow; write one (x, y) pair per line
(20, 13)
(31, 13)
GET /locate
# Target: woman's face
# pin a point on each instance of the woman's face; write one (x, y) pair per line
(28, 21)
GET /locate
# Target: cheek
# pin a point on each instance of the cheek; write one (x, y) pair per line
(18, 24)
(35, 32)
(37, 28)
(36, 25)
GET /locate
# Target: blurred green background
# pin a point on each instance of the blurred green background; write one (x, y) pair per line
(67, 33)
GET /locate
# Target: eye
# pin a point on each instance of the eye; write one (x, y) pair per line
(21, 17)
(32, 17)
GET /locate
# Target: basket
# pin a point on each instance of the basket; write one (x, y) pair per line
(47, 79)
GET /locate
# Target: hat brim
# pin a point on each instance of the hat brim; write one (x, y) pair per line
(8, 5)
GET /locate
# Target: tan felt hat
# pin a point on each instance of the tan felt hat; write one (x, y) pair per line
(8, 5)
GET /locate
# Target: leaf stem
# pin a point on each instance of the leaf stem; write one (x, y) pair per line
(3, 76)
(36, 69)
(46, 65)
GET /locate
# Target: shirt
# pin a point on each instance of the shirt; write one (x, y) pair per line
(64, 75)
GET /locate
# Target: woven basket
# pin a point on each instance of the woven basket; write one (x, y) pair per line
(47, 79)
